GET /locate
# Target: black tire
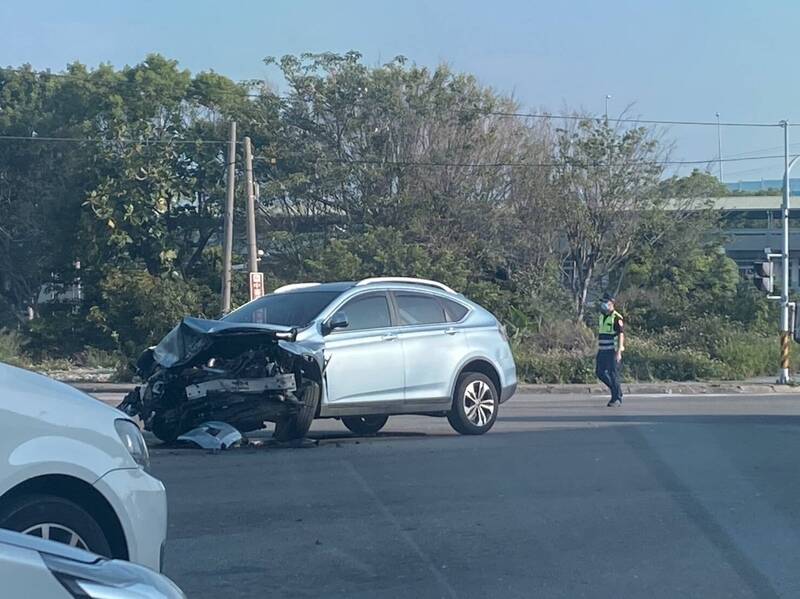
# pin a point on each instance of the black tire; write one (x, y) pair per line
(165, 431)
(365, 425)
(295, 426)
(468, 420)
(30, 511)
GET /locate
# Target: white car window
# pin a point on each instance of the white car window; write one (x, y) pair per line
(414, 308)
(369, 312)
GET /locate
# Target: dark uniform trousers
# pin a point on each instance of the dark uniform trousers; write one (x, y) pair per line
(608, 372)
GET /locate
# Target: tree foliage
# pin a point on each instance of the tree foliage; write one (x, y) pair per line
(363, 171)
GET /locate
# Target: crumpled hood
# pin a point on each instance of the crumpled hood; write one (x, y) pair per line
(193, 336)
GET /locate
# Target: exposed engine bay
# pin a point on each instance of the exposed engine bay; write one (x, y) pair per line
(241, 374)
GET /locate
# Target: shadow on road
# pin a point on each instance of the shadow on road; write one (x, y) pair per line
(263, 440)
(697, 511)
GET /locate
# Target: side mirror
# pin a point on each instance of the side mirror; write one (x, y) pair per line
(337, 321)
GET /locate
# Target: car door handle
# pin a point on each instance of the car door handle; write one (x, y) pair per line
(450, 331)
(388, 337)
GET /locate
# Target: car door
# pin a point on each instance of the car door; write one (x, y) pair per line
(365, 360)
(432, 346)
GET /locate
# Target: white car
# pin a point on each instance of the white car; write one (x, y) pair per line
(74, 470)
(31, 567)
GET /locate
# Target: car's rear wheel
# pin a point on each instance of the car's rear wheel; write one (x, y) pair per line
(475, 404)
(55, 519)
(295, 426)
(365, 425)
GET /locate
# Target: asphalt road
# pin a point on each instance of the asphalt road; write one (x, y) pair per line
(664, 497)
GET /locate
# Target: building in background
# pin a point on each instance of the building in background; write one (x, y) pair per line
(752, 223)
(775, 185)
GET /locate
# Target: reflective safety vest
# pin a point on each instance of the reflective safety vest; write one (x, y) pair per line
(607, 336)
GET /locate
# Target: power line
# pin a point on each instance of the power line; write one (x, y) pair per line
(126, 141)
(575, 117)
(531, 115)
(535, 164)
(739, 173)
(770, 149)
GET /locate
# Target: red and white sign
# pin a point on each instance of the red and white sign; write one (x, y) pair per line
(256, 285)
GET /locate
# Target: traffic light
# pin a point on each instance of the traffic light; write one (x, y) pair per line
(762, 276)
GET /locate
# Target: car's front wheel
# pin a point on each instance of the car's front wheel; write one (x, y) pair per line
(56, 519)
(475, 404)
(296, 425)
(166, 430)
(365, 425)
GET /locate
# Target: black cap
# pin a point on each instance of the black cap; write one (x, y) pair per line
(608, 297)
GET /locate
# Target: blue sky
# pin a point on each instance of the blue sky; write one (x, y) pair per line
(673, 59)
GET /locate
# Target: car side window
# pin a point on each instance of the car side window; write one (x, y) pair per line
(415, 308)
(455, 311)
(368, 312)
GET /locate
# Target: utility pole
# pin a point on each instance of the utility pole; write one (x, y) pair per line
(719, 148)
(785, 334)
(228, 226)
(256, 278)
(608, 97)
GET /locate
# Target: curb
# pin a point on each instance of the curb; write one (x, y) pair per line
(683, 388)
(95, 387)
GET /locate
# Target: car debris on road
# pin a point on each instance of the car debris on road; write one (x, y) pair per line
(213, 435)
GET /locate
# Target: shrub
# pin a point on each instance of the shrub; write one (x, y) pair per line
(687, 354)
(564, 334)
(139, 309)
(59, 332)
(552, 367)
(745, 355)
(11, 348)
(647, 359)
(93, 357)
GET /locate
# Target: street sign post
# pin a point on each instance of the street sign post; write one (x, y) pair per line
(256, 285)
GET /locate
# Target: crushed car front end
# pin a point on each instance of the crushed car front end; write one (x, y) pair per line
(240, 373)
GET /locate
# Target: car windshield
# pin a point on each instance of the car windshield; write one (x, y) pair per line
(286, 309)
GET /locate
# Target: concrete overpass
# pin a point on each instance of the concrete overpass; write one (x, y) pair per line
(752, 223)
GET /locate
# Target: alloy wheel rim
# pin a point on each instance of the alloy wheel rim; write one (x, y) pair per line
(51, 531)
(478, 403)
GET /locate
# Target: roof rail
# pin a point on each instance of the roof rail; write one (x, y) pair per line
(294, 286)
(411, 280)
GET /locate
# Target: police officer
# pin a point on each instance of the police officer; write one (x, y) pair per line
(611, 337)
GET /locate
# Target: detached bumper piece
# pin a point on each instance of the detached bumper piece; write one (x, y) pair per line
(213, 435)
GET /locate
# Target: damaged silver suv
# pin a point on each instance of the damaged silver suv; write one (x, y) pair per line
(358, 351)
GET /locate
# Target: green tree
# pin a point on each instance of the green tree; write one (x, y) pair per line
(606, 181)
(697, 184)
(146, 193)
(418, 152)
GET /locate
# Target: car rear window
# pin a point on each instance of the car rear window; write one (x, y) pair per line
(414, 308)
(455, 311)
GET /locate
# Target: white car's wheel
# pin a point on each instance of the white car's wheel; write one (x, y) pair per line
(55, 519)
(475, 404)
